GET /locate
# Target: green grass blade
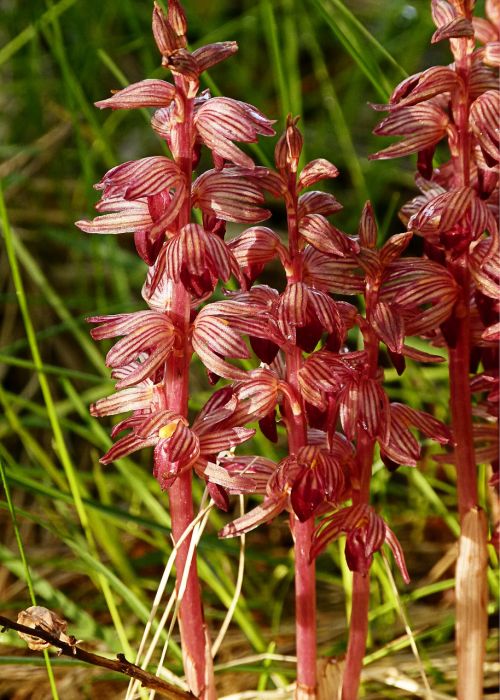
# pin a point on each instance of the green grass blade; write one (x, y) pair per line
(30, 32)
(271, 32)
(36, 275)
(335, 112)
(363, 48)
(61, 448)
(27, 574)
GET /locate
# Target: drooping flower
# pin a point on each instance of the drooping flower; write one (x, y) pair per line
(366, 533)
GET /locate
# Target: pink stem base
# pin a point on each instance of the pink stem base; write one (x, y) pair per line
(357, 637)
(195, 645)
(305, 606)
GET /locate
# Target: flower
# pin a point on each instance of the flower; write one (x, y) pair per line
(366, 533)
(178, 447)
(313, 479)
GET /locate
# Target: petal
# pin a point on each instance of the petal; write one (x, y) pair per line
(458, 27)
(211, 54)
(424, 422)
(256, 246)
(230, 197)
(484, 122)
(259, 469)
(166, 38)
(431, 82)
(216, 474)
(219, 408)
(425, 124)
(441, 213)
(146, 93)
(120, 222)
(292, 309)
(220, 440)
(315, 171)
(324, 237)
(368, 227)
(222, 120)
(317, 203)
(270, 508)
(133, 399)
(339, 275)
(389, 326)
(126, 446)
(140, 178)
(397, 552)
(326, 311)
(307, 493)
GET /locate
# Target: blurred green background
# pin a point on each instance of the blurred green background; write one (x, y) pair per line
(96, 539)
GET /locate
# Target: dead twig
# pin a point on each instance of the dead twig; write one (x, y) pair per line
(120, 665)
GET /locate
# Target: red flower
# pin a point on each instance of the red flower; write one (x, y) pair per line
(304, 483)
(178, 447)
(366, 533)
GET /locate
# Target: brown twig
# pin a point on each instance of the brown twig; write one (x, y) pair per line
(121, 665)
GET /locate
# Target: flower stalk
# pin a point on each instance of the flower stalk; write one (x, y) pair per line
(153, 198)
(196, 648)
(456, 216)
(358, 622)
(305, 576)
(471, 568)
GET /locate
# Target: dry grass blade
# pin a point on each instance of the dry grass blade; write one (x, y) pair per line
(427, 689)
(157, 601)
(237, 589)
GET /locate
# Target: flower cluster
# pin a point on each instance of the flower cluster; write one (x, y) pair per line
(456, 214)
(147, 197)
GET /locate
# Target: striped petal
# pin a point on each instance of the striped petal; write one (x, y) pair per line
(175, 454)
(315, 171)
(220, 440)
(222, 120)
(139, 178)
(132, 399)
(211, 54)
(423, 86)
(119, 222)
(441, 213)
(458, 27)
(270, 508)
(212, 340)
(367, 230)
(339, 275)
(256, 246)
(229, 196)
(317, 203)
(424, 124)
(484, 122)
(389, 326)
(318, 231)
(146, 93)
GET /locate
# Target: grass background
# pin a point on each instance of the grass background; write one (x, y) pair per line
(89, 541)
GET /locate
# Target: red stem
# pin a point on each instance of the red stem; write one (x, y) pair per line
(305, 571)
(358, 633)
(471, 609)
(461, 407)
(460, 395)
(195, 641)
(305, 614)
(358, 624)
